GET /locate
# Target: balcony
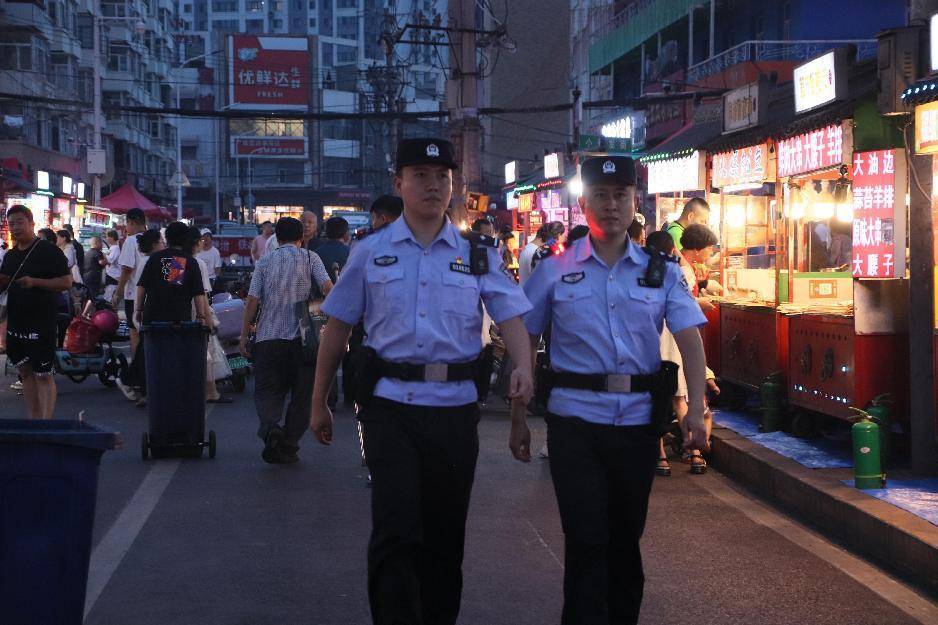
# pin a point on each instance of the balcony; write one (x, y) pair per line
(754, 51)
(626, 30)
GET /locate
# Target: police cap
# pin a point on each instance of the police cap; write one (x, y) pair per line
(426, 151)
(608, 170)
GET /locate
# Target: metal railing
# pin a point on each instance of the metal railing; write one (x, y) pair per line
(775, 51)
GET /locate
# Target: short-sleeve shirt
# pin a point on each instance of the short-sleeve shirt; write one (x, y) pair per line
(676, 230)
(171, 280)
(281, 279)
(421, 305)
(33, 310)
(113, 267)
(603, 321)
(260, 245)
(333, 253)
(212, 259)
(131, 257)
(272, 243)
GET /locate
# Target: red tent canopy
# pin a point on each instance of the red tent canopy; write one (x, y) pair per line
(128, 197)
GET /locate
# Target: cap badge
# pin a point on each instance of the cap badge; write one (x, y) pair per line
(433, 151)
(609, 167)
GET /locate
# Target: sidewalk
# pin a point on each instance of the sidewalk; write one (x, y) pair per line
(899, 541)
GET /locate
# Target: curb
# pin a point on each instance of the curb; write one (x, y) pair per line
(893, 538)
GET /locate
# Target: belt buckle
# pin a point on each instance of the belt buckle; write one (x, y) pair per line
(437, 372)
(618, 383)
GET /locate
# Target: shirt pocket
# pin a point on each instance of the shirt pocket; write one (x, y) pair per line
(459, 294)
(646, 303)
(571, 303)
(386, 287)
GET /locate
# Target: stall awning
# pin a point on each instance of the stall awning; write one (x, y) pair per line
(691, 137)
(128, 197)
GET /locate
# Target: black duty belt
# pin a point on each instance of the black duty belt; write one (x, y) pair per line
(601, 382)
(436, 372)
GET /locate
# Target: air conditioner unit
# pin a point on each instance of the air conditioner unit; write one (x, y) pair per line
(899, 64)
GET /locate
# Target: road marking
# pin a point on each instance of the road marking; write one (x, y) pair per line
(109, 553)
(118, 540)
(903, 597)
(544, 544)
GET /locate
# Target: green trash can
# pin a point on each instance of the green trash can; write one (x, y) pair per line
(48, 491)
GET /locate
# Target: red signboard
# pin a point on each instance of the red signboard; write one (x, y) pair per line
(878, 214)
(269, 147)
(231, 245)
(818, 149)
(269, 73)
(749, 164)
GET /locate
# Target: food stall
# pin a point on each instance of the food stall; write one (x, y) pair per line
(842, 280)
(674, 178)
(753, 338)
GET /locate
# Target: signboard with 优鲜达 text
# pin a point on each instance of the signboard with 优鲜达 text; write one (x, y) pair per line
(879, 189)
(269, 73)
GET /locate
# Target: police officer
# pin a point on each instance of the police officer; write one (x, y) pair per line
(418, 284)
(606, 309)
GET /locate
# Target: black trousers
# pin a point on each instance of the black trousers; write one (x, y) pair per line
(422, 461)
(602, 477)
(279, 371)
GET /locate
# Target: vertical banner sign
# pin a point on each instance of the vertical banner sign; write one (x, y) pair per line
(526, 203)
(269, 73)
(879, 214)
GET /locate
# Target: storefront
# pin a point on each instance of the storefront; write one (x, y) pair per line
(674, 178)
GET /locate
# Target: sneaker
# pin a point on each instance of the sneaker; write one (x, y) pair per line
(17, 386)
(271, 453)
(129, 392)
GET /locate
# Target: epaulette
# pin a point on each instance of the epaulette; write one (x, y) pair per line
(478, 256)
(551, 248)
(653, 252)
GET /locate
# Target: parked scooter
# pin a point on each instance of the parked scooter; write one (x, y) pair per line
(230, 311)
(88, 346)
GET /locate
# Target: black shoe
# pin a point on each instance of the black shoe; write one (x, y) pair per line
(271, 451)
(288, 457)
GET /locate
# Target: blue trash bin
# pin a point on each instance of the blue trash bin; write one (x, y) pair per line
(48, 491)
(175, 356)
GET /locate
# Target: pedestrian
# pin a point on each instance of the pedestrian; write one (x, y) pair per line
(3, 323)
(605, 309)
(79, 250)
(385, 210)
(508, 257)
(112, 272)
(131, 261)
(64, 242)
(418, 284)
(132, 382)
(547, 232)
(483, 226)
(33, 273)
(282, 280)
(95, 262)
(696, 211)
(192, 247)
(637, 230)
(49, 235)
(3, 250)
(210, 255)
(334, 252)
(259, 244)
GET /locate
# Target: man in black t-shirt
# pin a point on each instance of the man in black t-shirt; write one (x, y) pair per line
(171, 282)
(33, 273)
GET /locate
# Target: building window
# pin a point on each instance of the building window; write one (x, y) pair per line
(225, 6)
(255, 5)
(187, 8)
(276, 5)
(255, 26)
(298, 5)
(346, 4)
(312, 5)
(278, 23)
(346, 54)
(312, 22)
(347, 27)
(226, 25)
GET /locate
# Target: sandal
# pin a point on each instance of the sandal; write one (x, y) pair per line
(698, 466)
(663, 468)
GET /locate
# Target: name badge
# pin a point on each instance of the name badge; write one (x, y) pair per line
(573, 278)
(384, 261)
(460, 268)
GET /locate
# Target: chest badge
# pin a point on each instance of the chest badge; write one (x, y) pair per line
(573, 278)
(384, 261)
(459, 267)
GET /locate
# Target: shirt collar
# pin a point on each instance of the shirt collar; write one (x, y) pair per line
(583, 249)
(400, 231)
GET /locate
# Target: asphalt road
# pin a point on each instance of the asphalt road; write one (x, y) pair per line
(235, 541)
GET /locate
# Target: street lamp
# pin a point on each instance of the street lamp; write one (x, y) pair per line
(97, 20)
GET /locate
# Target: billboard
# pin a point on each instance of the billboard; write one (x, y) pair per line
(268, 73)
(269, 147)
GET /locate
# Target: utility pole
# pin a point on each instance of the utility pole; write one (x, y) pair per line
(462, 98)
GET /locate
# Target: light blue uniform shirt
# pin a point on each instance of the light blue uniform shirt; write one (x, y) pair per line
(421, 305)
(603, 321)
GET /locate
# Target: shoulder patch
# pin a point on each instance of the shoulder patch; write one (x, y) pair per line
(384, 261)
(508, 273)
(684, 284)
(573, 278)
(460, 268)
